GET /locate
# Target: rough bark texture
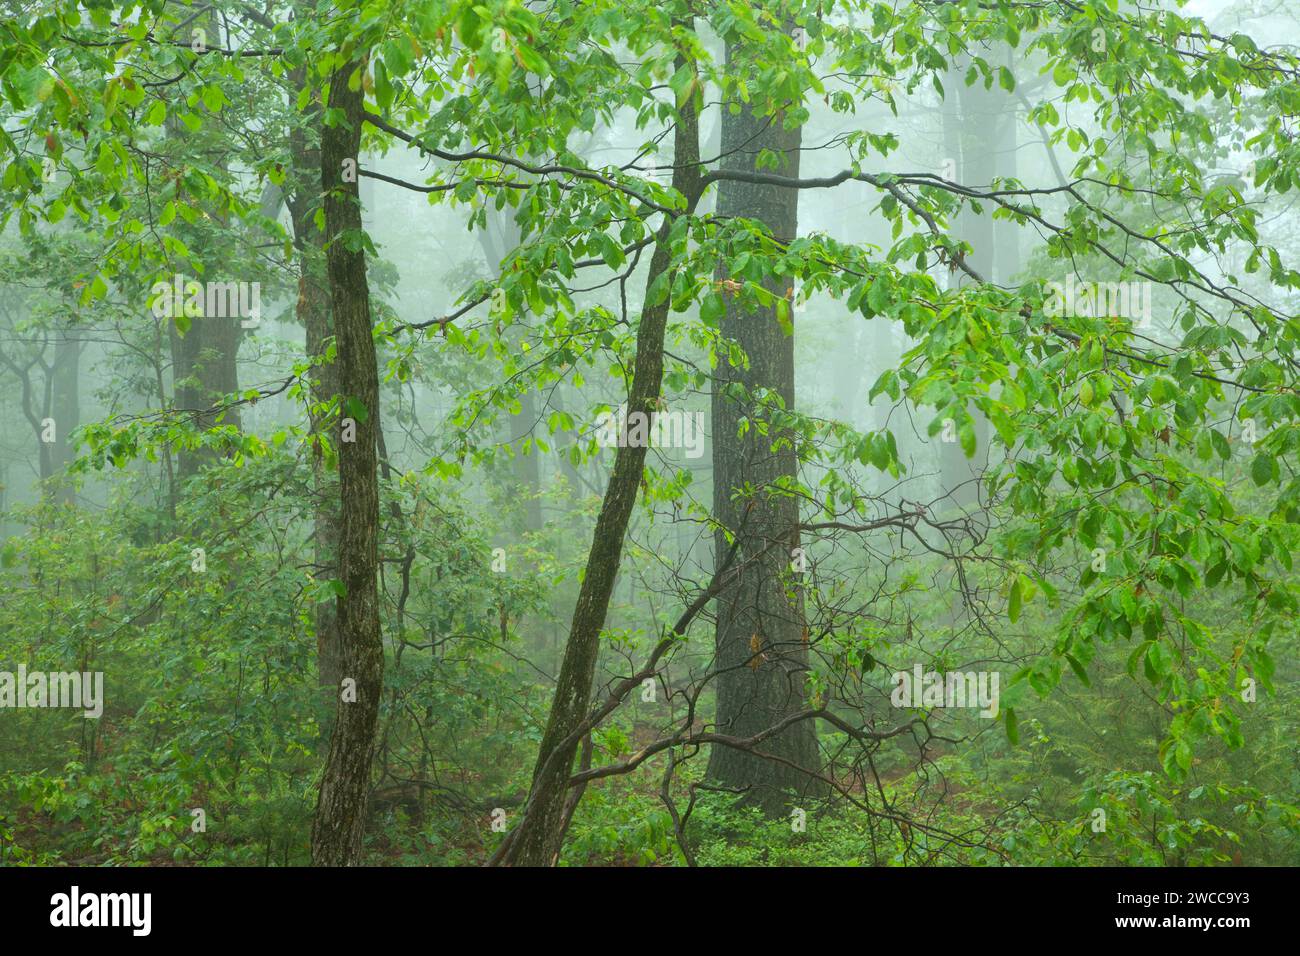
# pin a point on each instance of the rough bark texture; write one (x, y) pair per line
(760, 651)
(537, 839)
(341, 811)
(313, 311)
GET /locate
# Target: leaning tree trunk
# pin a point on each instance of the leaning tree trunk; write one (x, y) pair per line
(538, 838)
(339, 824)
(761, 654)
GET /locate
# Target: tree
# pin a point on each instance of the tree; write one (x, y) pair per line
(762, 648)
(1128, 477)
(345, 785)
(313, 310)
(537, 839)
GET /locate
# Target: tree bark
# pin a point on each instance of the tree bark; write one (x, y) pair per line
(204, 359)
(761, 655)
(538, 838)
(339, 824)
(313, 311)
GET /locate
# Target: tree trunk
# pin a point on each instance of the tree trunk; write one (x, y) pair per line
(205, 358)
(540, 834)
(313, 311)
(341, 811)
(761, 656)
(204, 366)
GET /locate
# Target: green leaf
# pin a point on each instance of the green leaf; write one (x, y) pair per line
(879, 296)
(712, 309)
(1262, 468)
(357, 409)
(966, 435)
(1078, 669)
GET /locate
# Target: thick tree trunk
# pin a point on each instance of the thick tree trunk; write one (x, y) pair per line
(538, 838)
(205, 358)
(341, 811)
(761, 656)
(204, 366)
